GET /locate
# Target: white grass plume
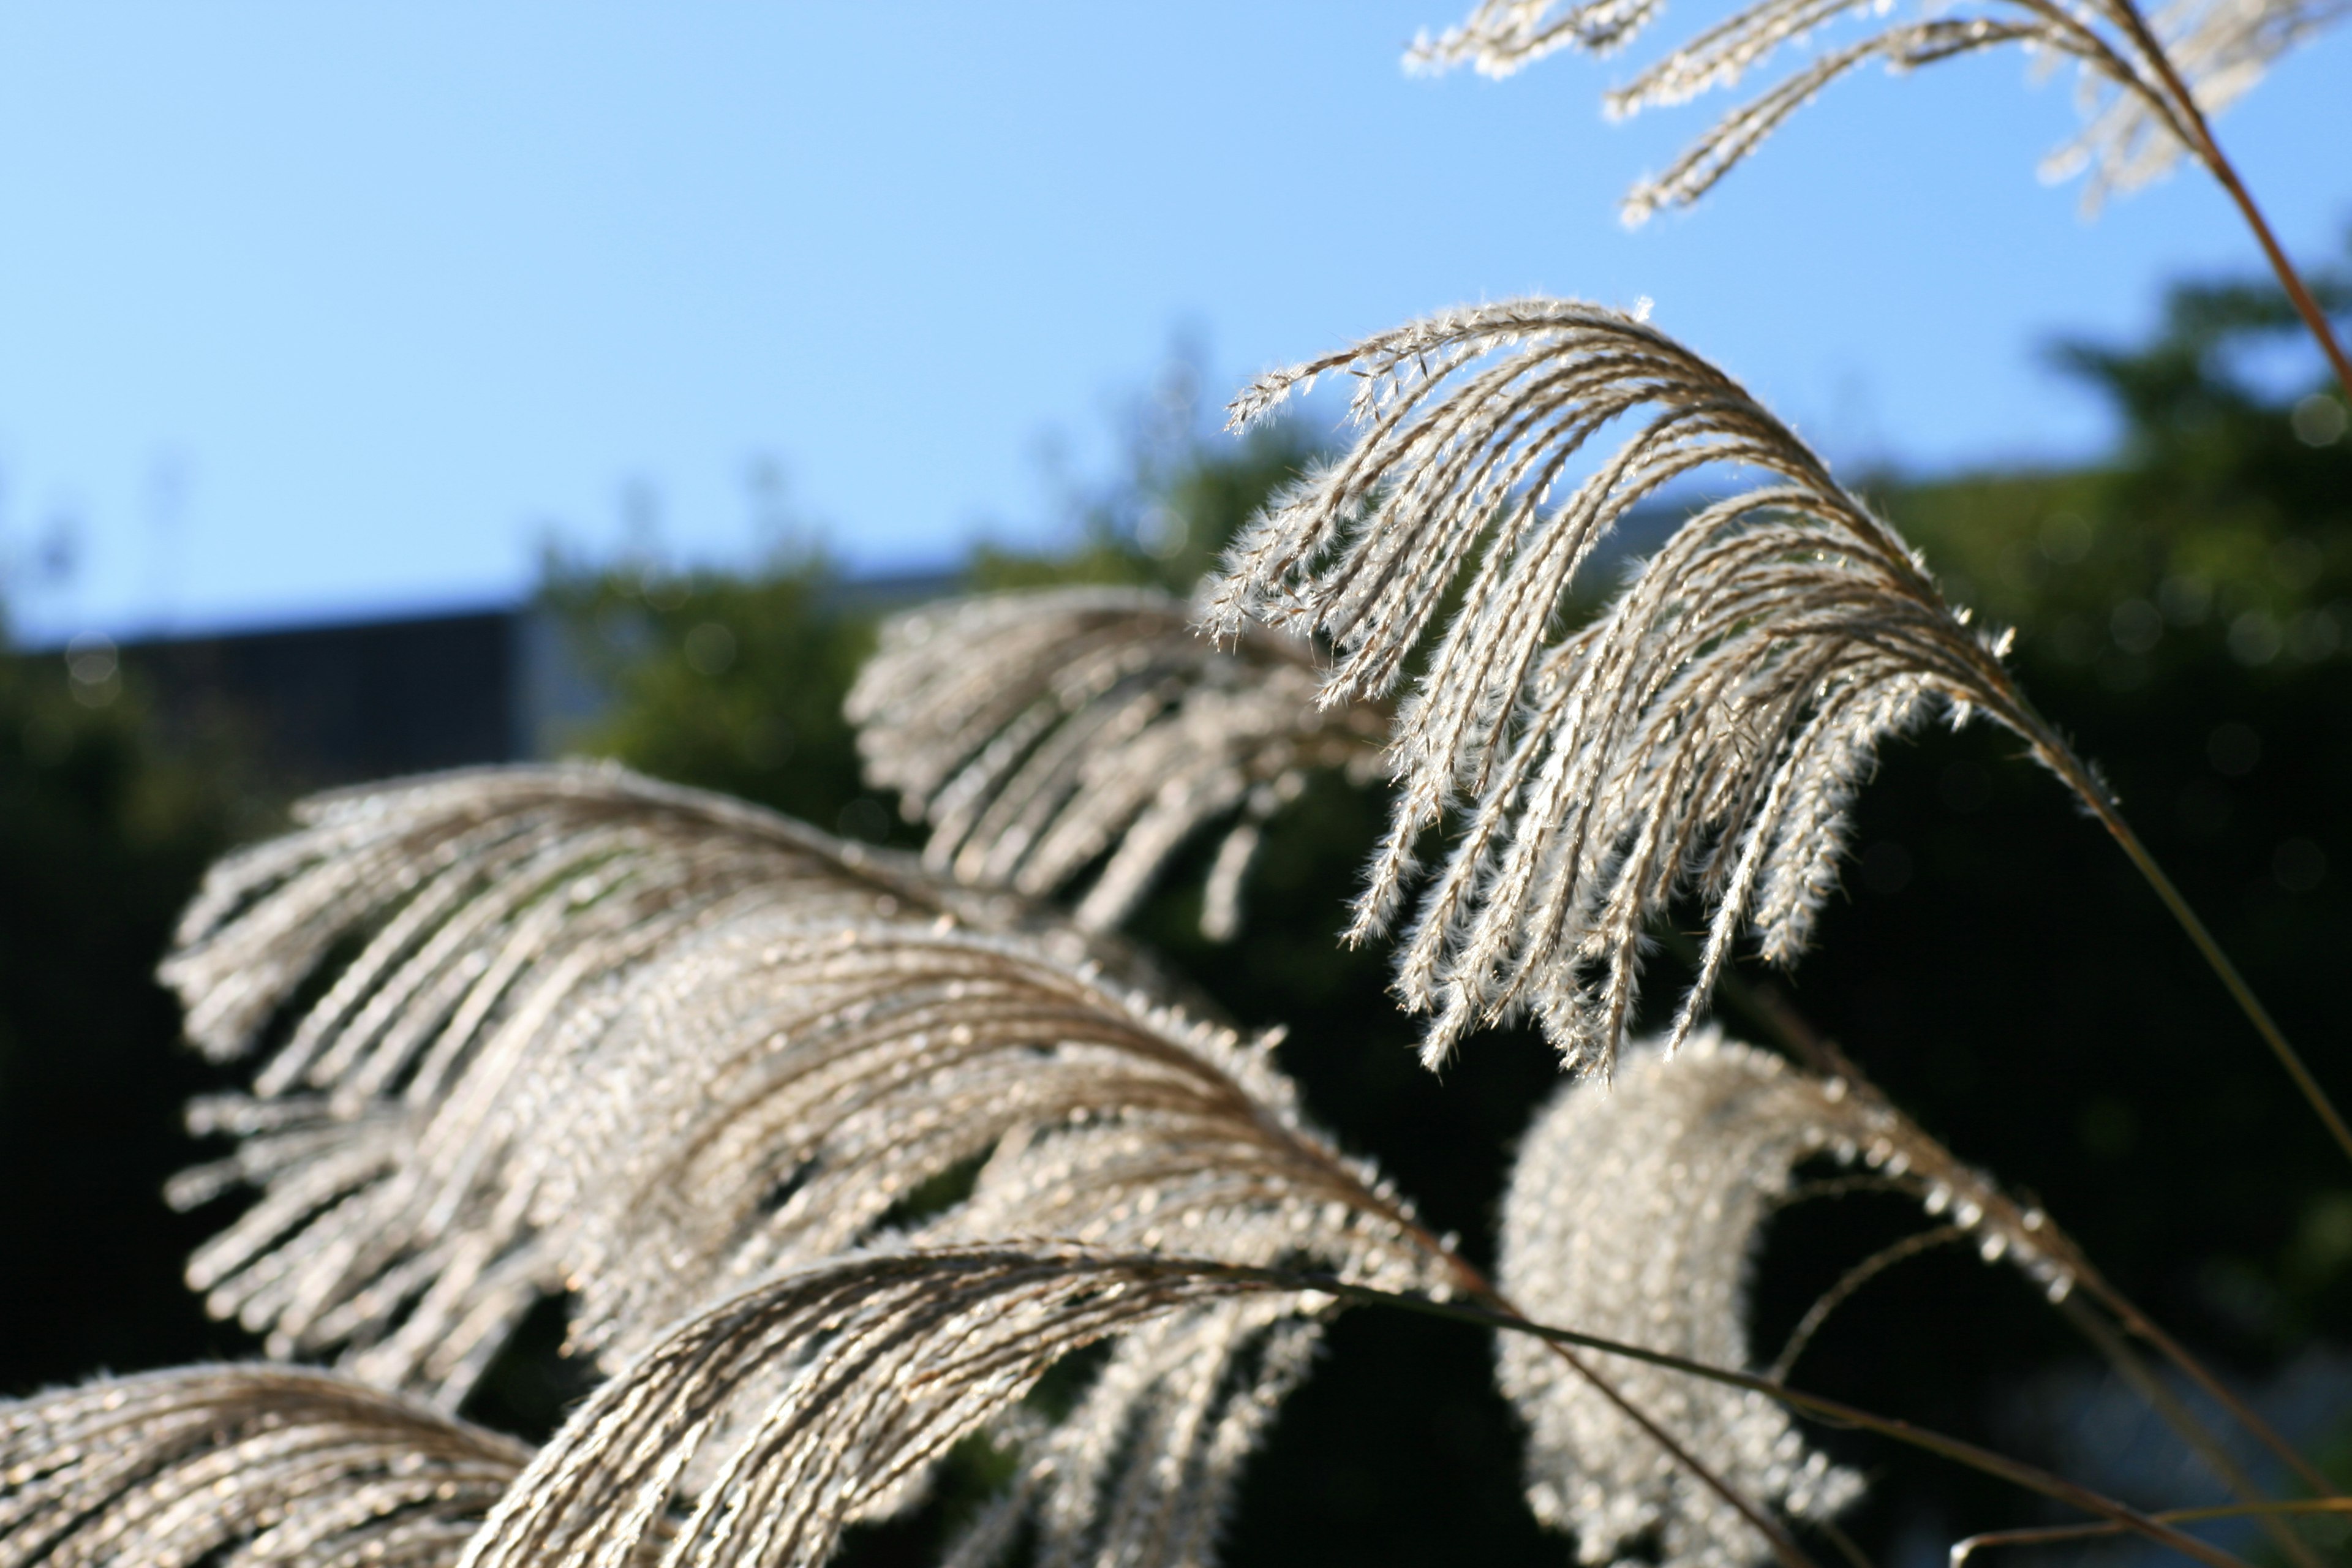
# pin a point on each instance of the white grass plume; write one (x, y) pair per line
(759, 1083)
(894, 1357)
(2149, 81)
(1633, 1212)
(497, 914)
(1702, 735)
(742, 1074)
(1039, 733)
(238, 1466)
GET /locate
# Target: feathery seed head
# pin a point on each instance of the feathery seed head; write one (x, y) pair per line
(887, 1359)
(696, 1047)
(1042, 734)
(1702, 734)
(1635, 1211)
(242, 1464)
(2148, 83)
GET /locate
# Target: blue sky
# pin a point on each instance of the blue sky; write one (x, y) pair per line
(308, 311)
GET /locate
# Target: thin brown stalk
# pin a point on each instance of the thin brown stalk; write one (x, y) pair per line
(2080, 778)
(2240, 992)
(1784, 1545)
(1765, 1005)
(1853, 1279)
(2217, 163)
(1959, 1450)
(2183, 1421)
(1962, 1550)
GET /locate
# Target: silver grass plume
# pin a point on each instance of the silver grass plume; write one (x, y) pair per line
(227, 1466)
(1040, 733)
(1702, 735)
(891, 1357)
(1633, 1212)
(779, 1091)
(2148, 80)
(495, 912)
(674, 1115)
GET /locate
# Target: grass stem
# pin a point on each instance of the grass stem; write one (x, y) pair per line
(1764, 1005)
(2101, 803)
(2207, 149)
(1835, 1412)
(1962, 1550)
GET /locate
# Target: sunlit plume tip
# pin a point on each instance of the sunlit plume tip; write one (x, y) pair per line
(1635, 1211)
(2147, 80)
(1699, 735)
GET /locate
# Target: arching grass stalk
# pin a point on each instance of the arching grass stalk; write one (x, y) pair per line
(2161, 92)
(1963, 1549)
(2181, 1419)
(1766, 1007)
(1784, 1545)
(1835, 1412)
(2101, 801)
(2198, 130)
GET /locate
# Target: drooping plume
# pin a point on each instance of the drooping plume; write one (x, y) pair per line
(1701, 735)
(1634, 1213)
(1041, 732)
(765, 1078)
(2149, 81)
(500, 912)
(892, 1357)
(241, 1466)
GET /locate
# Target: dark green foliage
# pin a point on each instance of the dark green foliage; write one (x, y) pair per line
(1166, 521)
(102, 836)
(2222, 531)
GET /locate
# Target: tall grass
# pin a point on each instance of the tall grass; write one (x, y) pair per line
(837, 1159)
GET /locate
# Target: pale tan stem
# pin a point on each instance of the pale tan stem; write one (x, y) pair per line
(1767, 1006)
(2040, 1534)
(1855, 1278)
(2208, 150)
(2095, 795)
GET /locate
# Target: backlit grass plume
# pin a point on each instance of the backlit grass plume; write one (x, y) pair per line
(753, 1080)
(1041, 734)
(241, 1466)
(2149, 79)
(778, 1059)
(496, 916)
(1701, 736)
(894, 1357)
(1635, 1211)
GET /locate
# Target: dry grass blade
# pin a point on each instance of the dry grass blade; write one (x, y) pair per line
(893, 1357)
(233, 1465)
(2148, 82)
(1702, 735)
(1633, 1214)
(1039, 733)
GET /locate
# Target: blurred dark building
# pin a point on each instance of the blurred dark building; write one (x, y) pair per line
(314, 707)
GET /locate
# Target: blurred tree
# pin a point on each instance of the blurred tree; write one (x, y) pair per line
(2223, 525)
(732, 680)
